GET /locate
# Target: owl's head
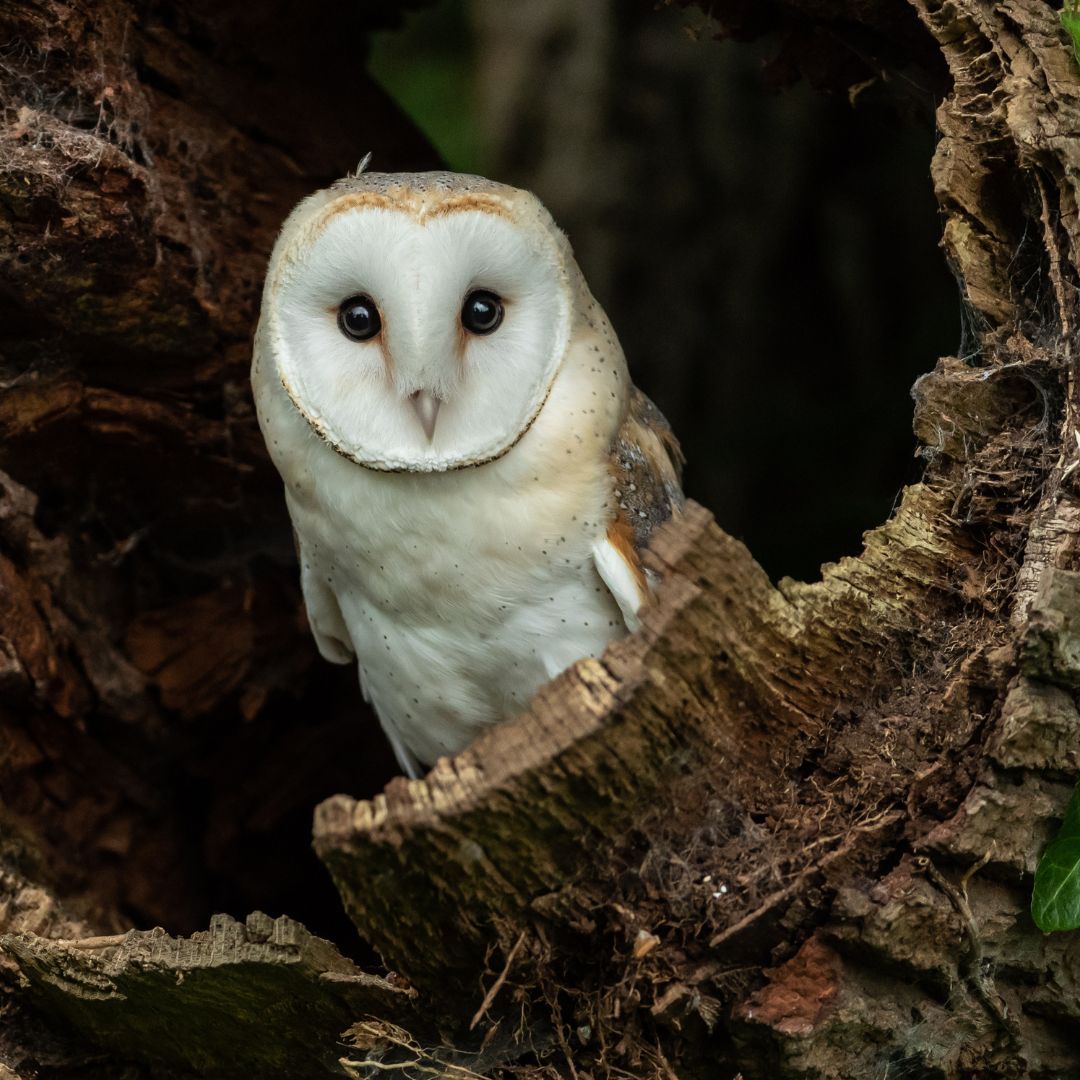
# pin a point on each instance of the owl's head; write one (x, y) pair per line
(418, 321)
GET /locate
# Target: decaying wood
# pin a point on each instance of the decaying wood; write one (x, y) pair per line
(259, 998)
(785, 831)
(525, 817)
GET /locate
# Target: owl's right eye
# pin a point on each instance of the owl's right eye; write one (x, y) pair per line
(358, 318)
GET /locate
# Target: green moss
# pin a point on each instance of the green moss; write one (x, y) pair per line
(1070, 19)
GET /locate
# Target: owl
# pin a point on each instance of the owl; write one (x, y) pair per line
(470, 473)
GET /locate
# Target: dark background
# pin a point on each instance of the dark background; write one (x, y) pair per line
(768, 253)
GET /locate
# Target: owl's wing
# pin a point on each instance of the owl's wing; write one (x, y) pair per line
(646, 465)
(407, 761)
(324, 615)
(332, 637)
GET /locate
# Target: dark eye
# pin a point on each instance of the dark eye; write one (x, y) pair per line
(482, 312)
(358, 318)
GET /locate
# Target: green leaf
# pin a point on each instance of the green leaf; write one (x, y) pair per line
(1070, 19)
(1055, 900)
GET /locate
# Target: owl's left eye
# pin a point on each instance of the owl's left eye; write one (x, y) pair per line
(482, 312)
(358, 318)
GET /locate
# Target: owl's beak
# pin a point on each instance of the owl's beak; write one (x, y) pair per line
(427, 409)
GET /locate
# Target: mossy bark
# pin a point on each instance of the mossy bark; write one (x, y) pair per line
(785, 831)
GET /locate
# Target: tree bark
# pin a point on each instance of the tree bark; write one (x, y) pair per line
(154, 661)
(783, 831)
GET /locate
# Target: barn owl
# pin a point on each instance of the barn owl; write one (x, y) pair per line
(470, 473)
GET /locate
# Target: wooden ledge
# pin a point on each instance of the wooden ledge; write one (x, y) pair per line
(260, 998)
(728, 677)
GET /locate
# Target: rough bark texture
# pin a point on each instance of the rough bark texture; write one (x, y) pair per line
(785, 831)
(162, 724)
(264, 998)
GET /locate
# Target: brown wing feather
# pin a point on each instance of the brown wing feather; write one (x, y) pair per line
(646, 463)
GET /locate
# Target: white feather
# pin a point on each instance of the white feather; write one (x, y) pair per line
(620, 579)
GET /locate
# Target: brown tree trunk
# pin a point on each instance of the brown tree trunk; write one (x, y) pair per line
(163, 725)
(781, 832)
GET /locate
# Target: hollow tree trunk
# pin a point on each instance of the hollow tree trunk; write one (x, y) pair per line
(783, 831)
